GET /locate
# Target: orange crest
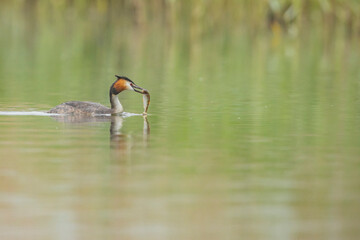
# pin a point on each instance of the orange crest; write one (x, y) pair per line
(120, 85)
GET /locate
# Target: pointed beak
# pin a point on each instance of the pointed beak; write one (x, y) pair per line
(137, 88)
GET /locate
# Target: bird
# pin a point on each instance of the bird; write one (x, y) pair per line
(91, 108)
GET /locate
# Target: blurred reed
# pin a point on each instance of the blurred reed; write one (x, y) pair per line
(202, 17)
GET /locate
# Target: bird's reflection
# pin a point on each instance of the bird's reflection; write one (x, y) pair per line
(74, 119)
(121, 143)
(125, 142)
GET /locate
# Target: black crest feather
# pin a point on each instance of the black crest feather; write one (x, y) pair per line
(125, 78)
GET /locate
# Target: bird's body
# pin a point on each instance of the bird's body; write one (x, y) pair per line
(78, 107)
(92, 108)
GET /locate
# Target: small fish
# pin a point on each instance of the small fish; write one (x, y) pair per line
(146, 100)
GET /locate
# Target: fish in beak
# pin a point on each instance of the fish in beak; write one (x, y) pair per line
(136, 88)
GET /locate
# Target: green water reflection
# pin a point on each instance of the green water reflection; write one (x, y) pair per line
(253, 137)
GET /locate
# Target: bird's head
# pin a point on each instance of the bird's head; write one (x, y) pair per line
(124, 83)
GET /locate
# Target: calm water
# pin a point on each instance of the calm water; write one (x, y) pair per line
(247, 137)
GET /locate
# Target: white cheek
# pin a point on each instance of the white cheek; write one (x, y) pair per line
(128, 86)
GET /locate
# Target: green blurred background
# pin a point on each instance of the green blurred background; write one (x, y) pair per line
(254, 120)
(57, 44)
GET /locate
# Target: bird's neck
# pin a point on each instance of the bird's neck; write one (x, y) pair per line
(116, 106)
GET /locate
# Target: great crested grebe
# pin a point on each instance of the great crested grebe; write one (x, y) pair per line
(91, 108)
